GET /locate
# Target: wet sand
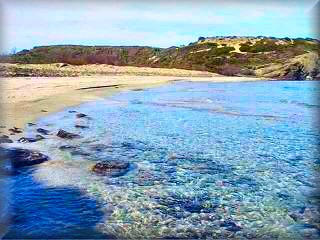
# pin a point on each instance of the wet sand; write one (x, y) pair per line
(24, 99)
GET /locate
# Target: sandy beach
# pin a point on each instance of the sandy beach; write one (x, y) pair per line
(24, 99)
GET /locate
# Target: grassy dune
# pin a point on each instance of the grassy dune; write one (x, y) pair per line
(232, 56)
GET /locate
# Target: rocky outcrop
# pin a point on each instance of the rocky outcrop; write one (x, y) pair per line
(302, 67)
(24, 157)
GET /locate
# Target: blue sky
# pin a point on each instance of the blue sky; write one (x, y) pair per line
(26, 24)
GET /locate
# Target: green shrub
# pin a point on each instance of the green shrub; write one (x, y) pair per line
(245, 47)
(221, 51)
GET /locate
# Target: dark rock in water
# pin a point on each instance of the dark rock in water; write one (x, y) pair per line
(230, 226)
(67, 135)
(67, 147)
(81, 115)
(136, 102)
(193, 206)
(302, 210)
(79, 153)
(128, 145)
(80, 126)
(145, 178)
(24, 157)
(5, 139)
(40, 137)
(283, 195)
(31, 124)
(72, 111)
(99, 147)
(137, 89)
(43, 131)
(200, 204)
(15, 130)
(26, 140)
(111, 168)
(295, 216)
(30, 140)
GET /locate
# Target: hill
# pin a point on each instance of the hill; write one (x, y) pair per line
(280, 58)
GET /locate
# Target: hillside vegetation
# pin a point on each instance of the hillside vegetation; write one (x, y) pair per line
(233, 56)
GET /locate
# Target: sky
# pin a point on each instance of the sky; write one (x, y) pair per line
(25, 24)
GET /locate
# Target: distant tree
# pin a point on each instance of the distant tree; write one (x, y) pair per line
(13, 51)
(200, 39)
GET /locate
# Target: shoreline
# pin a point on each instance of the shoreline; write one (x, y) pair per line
(25, 99)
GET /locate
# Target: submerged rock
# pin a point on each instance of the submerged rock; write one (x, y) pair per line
(40, 137)
(137, 89)
(24, 157)
(67, 147)
(230, 226)
(43, 131)
(81, 115)
(111, 168)
(30, 140)
(193, 206)
(99, 147)
(76, 152)
(146, 178)
(5, 139)
(80, 126)
(26, 140)
(67, 135)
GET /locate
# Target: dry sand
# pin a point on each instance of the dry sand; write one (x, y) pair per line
(24, 99)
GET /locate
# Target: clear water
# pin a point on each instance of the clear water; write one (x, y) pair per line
(208, 160)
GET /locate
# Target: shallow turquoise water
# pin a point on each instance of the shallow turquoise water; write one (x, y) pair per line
(207, 160)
